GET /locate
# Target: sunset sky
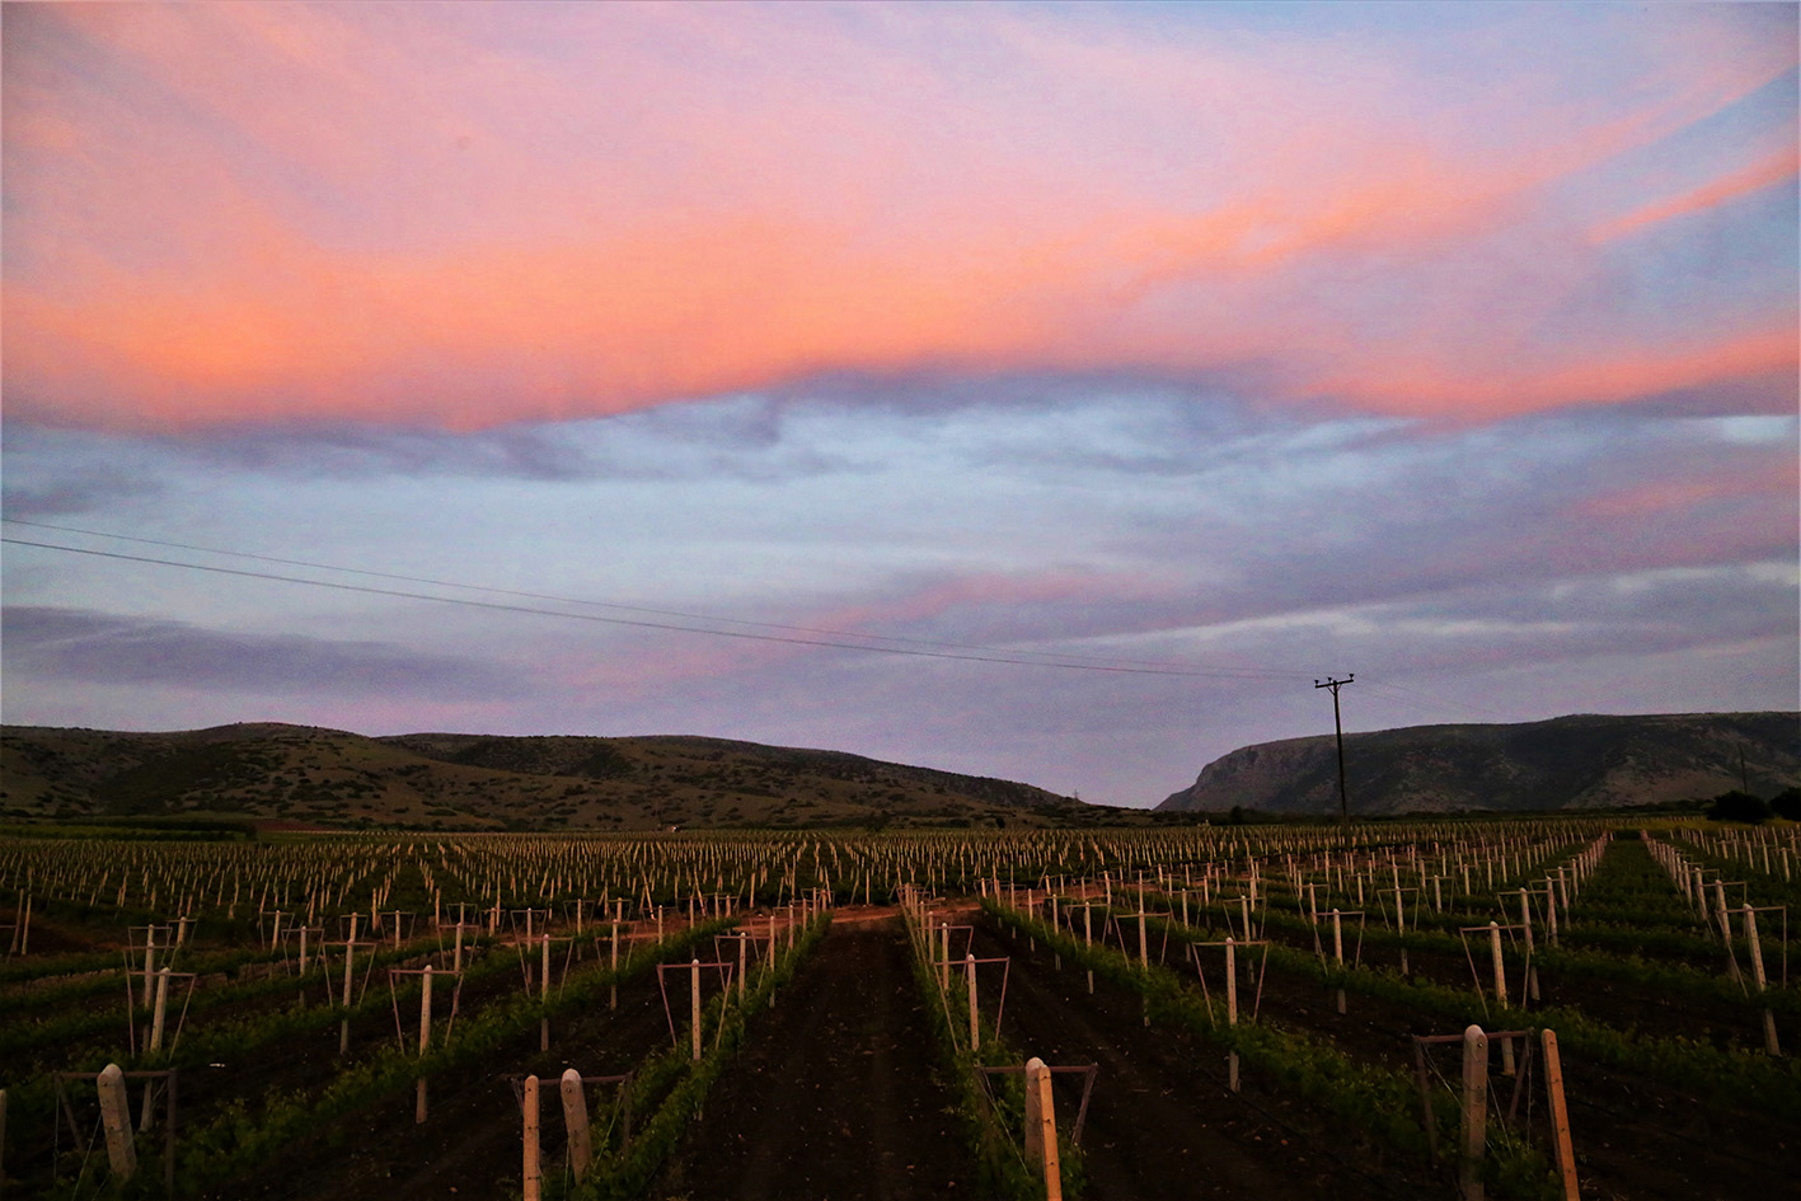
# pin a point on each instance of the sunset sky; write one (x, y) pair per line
(1052, 392)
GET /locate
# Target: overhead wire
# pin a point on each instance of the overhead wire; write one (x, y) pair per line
(495, 606)
(832, 637)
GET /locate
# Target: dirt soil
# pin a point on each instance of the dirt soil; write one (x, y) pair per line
(834, 1094)
(469, 1147)
(1704, 1150)
(1162, 1122)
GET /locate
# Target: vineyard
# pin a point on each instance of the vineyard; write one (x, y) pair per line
(1521, 1008)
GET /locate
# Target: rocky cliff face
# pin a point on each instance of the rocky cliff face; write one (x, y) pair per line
(1585, 761)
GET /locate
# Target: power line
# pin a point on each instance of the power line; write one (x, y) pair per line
(1344, 804)
(1064, 660)
(495, 606)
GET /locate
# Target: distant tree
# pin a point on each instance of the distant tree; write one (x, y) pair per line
(1237, 817)
(1736, 806)
(1787, 803)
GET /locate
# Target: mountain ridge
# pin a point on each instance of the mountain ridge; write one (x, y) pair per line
(1579, 761)
(280, 772)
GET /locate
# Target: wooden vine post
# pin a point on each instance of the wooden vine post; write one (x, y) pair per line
(160, 1011)
(349, 977)
(1338, 952)
(1475, 1112)
(1531, 986)
(1041, 1129)
(1088, 938)
(613, 987)
(1770, 1043)
(1144, 954)
(115, 1116)
(1494, 948)
(575, 1121)
(694, 1007)
(1231, 1009)
(1560, 1116)
(743, 964)
(149, 959)
(532, 1173)
(544, 996)
(419, 1099)
(969, 975)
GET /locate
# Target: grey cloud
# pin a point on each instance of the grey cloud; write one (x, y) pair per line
(744, 438)
(94, 647)
(78, 493)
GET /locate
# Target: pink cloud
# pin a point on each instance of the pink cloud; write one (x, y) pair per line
(967, 600)
(1607, 375)
(471, 219)
(1665, 497)
(1772, 169)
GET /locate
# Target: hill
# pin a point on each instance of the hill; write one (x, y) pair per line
(303, 774)
(1580, 762)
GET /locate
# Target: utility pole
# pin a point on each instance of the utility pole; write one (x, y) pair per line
(1344, 805)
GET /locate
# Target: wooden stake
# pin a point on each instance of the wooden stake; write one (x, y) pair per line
(575, 1121)
(1770, 1043)
(419, 1099)
(161, 1009)
(1494, 948)
(1560, 1116)
(1475, 1112)
(534, 1175)
(1338, 951)
(1088, 938)
(975, 1029)
(1231, 982)
(344, 1023)
(694, 1006)
(115, 1116)
(149, 959)
(1041, 1129)
(544, 995)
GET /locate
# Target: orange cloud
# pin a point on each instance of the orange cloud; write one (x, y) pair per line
(1665, 497)
(360, 213)
(1498, 389)
(1771, 170)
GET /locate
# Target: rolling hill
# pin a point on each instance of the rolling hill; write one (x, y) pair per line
(1579, 762)
(311, 776)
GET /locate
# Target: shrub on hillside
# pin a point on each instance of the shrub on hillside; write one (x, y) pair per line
(1736, 806)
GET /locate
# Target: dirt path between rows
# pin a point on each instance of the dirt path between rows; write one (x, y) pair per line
(834, 1094)
(1705, 1150)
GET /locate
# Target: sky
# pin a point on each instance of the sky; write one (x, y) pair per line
(1050, 392)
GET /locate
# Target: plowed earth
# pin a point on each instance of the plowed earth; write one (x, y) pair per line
(835, 1093)
(1635, 1139)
